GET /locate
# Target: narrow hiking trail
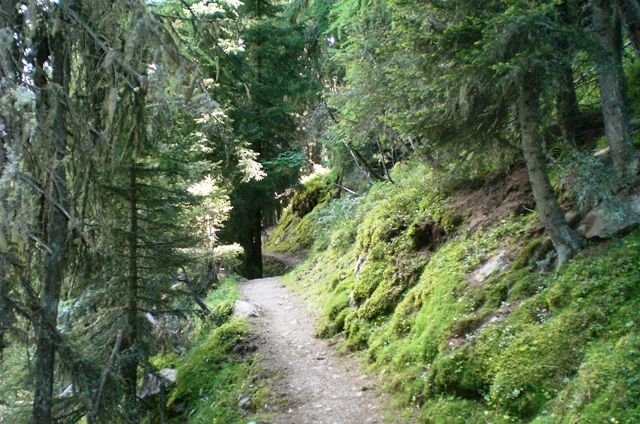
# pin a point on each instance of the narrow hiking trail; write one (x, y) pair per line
(312, 383)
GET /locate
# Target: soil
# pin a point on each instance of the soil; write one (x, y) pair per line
(493, 198)
(312, 383)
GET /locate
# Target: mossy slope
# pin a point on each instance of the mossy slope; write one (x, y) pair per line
(214, 373)
(397, 273)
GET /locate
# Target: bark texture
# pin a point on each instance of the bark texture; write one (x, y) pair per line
(612, 84)
(565, 240)
(130, 371)
(56, 92)
(131, 336)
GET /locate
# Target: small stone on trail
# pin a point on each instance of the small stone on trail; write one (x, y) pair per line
(244, 402)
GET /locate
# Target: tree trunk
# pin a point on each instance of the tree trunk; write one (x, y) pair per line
(612, 84)
(4, 310)
(567, 104)
(629, 12)
(253, 250)
(8, 58)
(55, 100)
(552, 217)
(130, 372)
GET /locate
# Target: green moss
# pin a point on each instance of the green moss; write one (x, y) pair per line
(272, 267)
(459, 373)
(524, 255)
(296, 229)
(607, 388)
(522, 346)
(453, 410)
(210, 375)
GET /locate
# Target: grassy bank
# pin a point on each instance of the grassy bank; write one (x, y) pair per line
(449, 292)
(216, 372)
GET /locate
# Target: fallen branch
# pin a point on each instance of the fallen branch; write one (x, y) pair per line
(195, 296)
(347, 190)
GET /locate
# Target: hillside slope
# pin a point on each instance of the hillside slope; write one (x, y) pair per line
(450, 293)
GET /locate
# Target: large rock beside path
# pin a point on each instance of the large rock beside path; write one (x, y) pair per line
(244, 309)
(604, 222)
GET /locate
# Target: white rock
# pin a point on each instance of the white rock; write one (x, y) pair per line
(244, 402)
(496, 264)
(169, 374)
(151, 383)
(244, 309)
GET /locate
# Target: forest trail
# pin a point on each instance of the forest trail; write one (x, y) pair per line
(312, 383)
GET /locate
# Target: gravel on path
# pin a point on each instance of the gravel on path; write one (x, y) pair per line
(313, 384)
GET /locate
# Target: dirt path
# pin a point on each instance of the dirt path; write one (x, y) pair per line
(316, 385)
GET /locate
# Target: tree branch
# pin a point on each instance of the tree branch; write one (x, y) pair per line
(347, 190)
(70, 217)
(105, 374)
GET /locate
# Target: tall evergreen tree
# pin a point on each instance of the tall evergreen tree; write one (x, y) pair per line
(612, 84)
(119, 138)
(275, 86)
(52, 47)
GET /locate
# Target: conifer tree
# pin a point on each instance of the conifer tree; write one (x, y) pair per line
(106, 162)
(52, 46)
(612, 84)
(276, 86)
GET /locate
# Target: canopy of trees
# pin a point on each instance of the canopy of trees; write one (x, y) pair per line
(146, 144)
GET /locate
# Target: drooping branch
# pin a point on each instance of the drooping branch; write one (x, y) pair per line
(74, 223)
(103, 378)
(195, 296)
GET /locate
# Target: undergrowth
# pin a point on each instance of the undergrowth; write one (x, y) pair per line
(398, 277)
(212, 375)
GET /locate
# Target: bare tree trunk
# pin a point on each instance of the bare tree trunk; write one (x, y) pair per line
(131, 335)
(384, 165)
(253, 251)
(93, 411)
(131, 370)
(56, 92)
(629, 12)
(4, 309)
(567, 104)
(612, 84)
(552, 217)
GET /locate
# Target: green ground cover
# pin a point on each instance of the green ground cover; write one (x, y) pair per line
(396, 273)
